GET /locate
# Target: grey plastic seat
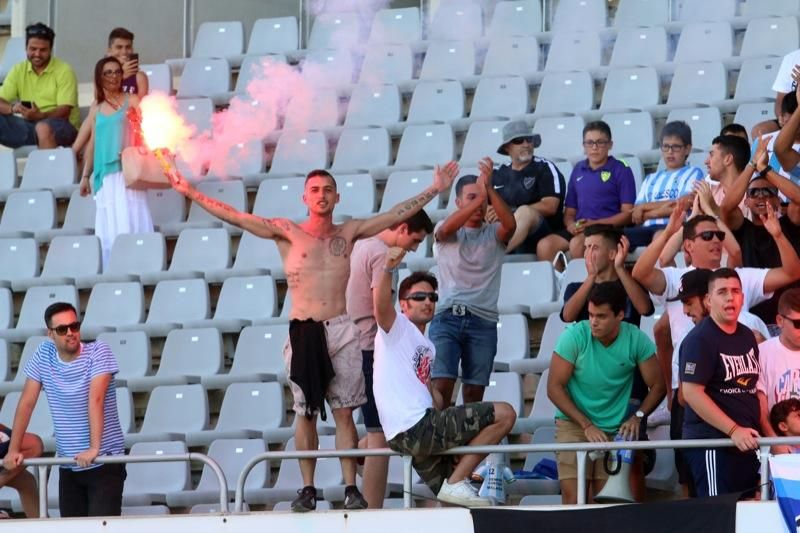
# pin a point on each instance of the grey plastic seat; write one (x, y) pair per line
(198, 250)
(404, 184)
(357, 195)
(5, 357)
(255, 67)
(13, 53)
(204, 77)
(197, 113)
(298, 152)
(329, 68)
(698, 83)
(361, 149)
(334, 31)
(448, 60)
(580, 15)
(256, 256)
(281, 197)
(755, 78)
(166, 206)
(748, 115)
(457, 20)
(159, 77)
(541, 487)
(512, 56)
(133, 255)
(6, 313)
(79, 218)
(243, 160)
(637, 47)
(174, 303)
(704, 121)
(231, 455)
(241, 301)
(8, 170)
(113, 304)
(258, 357)
(131, 350)
(630, 88)
(499, 97)
(483, 138)
(702, 11)
(148, 483)
(633, 132)
(249, 410)
(31, 316)
(172, 412)
(544, 411)
(425, 145)
(570, 51)
(18, 382)
(552, 330)
(230, 191)
(318, 112)
(373, 106)
(505, 387)
(387, 63)
(518, 17)
(41, 422)
(705, 41)
(513, 342)
(565, 92)
(561, 137)
(19, 259)
(518, 292)
(54, 169)
(273, 36)
(215, 39)
(125, 409)
(770, 36)
(638, 13)
(68, 258)
(436, 101)
(27, 213)
(399, 25)
(764, 8)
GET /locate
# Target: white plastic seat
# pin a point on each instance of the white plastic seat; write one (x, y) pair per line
(328, 68)
(159, 78)
(517, 17)
(335, 31)
(357, 195)
(513, 342)
(636, 47)
(174, 303)
(148, 483)
(125, 409)
(457, 20)
(13, 53)
(404, 184)
(320, 111)
(256, 257)
(6, 320)
(633, 132)
(770, 36)
(561, 137)
(172, 411)
(280, 197)
(197, 113)
(552, 330)
(520, 294)
(241, 301)
(31, 316)
(565, 92)
(219, 39)
(372, 105)
(704, 121)
(298, 152)
(204, 77)
(198, 250)
(511, 56)
(698, 83)
(230, 191)
(28, 212)
(255, 68)
(748, 115)
(544, 411)
(8, 170)
(54, 169)
(545, 434)
(275, 35)
(638, 13)
(79, 218)
(134, 254)
(19, 259)
(258, 357)
(426, 145)
(448, 60)
(499, 97)
(703, 11)
(664, 476)
(483, 138)
(166, 206)
(387, 63)
(113, 304)
(243, 160)
(755, 78)
(436, 101)
(68, 258)
(705, 41)
(580, 15)
(131, 350)
(574, 51)
(361, 149)
(764, 8)
(399, 25)
(41, 422)
(18, 381)
(630, 88)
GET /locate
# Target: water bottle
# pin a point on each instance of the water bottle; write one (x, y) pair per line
(626, 456)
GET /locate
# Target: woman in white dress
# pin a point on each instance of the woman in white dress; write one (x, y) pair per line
(119, 209)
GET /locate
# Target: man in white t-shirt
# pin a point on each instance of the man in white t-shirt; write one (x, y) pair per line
(779, 378)
(410, 410)
(784, 84)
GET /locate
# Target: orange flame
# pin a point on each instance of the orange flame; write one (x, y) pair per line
(162, 126)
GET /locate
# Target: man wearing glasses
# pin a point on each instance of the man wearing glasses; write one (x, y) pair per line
(533, 187)
(39, 97)
(81, 393)
(414, 416)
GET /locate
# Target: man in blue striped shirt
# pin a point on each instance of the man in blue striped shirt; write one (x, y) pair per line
(661, 190)
(81, 393)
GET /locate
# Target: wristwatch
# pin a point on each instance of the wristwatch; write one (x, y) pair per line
(639, 414)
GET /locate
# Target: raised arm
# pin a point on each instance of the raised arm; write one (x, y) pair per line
(786, 154)
(729, 209)
(789, 271)
(442, 179)
(460, 216)
(704, 203)
(645, 271)
(789, 188)
(27, 401)
(508, 224)
(382, 296)
(574, 304)
(639, 297)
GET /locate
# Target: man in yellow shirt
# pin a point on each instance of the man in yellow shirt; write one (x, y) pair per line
(39, 97)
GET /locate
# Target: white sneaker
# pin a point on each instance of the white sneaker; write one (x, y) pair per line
(462, 493)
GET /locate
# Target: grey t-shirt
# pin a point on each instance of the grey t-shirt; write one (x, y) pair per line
(469, 270)
(366, 270)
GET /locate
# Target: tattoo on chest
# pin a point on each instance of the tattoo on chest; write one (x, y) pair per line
(337, 246)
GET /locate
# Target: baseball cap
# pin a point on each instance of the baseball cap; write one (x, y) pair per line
(693, 283)
(514, 129)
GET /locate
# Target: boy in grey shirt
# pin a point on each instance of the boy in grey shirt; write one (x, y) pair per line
(470, 253)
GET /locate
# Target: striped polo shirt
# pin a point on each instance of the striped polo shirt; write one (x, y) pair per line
(667, 185)
(67, 389)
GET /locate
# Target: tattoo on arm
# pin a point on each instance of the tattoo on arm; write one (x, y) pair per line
(422, 199)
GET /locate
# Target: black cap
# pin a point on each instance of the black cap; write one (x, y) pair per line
(693, 283)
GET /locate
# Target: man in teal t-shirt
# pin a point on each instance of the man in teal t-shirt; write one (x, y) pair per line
(591, 375)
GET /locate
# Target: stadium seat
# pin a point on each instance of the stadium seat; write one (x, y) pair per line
(697, 83)
(131, 350)
(273, 36)
(561, 137)
(755, 78)
(19, 260)
(255, 68)
(30, 344)
(512, 56)
(249, 410)
(198, 251)
(399, 25)
(631, 88)
(770, 37)
(664, 476)
(764, 8)
(372, 105)
(241, 300)
(483, 138)
(513, 342)
(499, 98)
(565, 92)
(133, 255)
(575, 272)
(436, 101)
(205, 77)
(637, 168)
(425, 145)
(125, 409)
(328, 68)
(518, 292)
(13, 53)
(197, 113)
(5, 361)
(387, 63)
(31, 315)
(361, 149)
(111, 305)
(8, 170)
(516, 17)
(6, 320)
(454, 21)
(574, 51)
(166, 206)
(639, 13)
(580, 15)
(646, 325)
(404, 184)
(159, 78)
(41, 423)
(68, 258)
(357, 195)
(540, 499)
(545, 434)
(243, 160)
(172, 412)
(258, 357)
(28, 214)
(231, 455)
(318, 111)
(231, 192)
(174, 302)
(552, 330)
(705, 41)
(297, 152)
(215, 40)
(281, 197)
(504, 387)
(79, 218)
(335, 31)
(214, 508)
(448, 60)
(704, 121)
(148, 483)
(543, 412)
(633, 132)
(748, 115)
(703, 11)
(636, 47)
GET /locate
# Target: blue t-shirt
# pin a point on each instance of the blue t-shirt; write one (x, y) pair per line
(67, 389)
(667, 185)
(727, 364)
(600, 193)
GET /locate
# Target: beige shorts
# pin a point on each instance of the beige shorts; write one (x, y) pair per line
(347, 387)
(568, 431)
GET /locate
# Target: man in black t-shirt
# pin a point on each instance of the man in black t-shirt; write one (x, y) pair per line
(718, 372)
(533, 187)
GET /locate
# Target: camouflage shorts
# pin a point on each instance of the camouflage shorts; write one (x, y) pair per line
(439, 431)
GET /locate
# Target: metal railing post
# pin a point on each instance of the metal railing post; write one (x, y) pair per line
(581, 455)
(42, 473)
(764, 473)
(223, 483)
(407, 481)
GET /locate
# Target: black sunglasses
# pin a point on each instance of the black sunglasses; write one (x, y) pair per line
(421, 296)
(75, 327)
(34, 31)
(762, 192)
(519, 140)
(709, 235)
(795, 321)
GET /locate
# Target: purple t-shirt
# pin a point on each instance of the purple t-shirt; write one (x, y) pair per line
(600, 193)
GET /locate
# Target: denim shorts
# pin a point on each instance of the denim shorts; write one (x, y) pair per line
(470, 340)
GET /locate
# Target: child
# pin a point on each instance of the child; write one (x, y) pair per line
(785, 419)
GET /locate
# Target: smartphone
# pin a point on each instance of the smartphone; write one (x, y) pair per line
(25, 103)
(133, 57)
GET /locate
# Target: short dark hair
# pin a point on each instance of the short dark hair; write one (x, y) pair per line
(419, 221)
(608, 292)
(690, 226)
(608, 232)
(722, 273)
(54, 309)
(789, 301)
(734, 128)
(119, 33)
(467, 179)
(413, 279)
(679, 129)
(40, 30)
(320, 173)
(781, 411)
(597, 125)
(789, 103)
(735, 146)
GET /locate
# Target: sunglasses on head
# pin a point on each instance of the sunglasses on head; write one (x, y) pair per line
(762, 192)
(709, 235)
(37, 30)
(61, 330)
(519, 140)
(421, 296)
(795, 321)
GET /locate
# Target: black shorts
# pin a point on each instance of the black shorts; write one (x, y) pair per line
(5, 440)
(718, 471)
(369, 409)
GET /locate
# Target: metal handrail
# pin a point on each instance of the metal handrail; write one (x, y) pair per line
(43, 463)
(581, 448)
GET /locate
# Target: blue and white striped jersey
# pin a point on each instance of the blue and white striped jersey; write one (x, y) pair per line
(667, 185)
